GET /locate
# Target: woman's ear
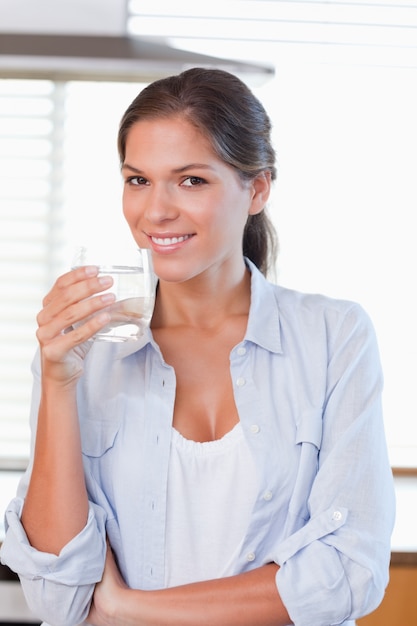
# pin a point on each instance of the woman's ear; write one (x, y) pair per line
(261, 188)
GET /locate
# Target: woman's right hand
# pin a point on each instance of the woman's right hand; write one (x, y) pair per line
(72, 300)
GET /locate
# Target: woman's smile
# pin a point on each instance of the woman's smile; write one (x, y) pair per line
(168, 240)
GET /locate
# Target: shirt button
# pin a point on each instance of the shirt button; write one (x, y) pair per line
(240, 382)
(241, 351)
(337, 516)
(255, 429)
(268, 495)
(250, 556)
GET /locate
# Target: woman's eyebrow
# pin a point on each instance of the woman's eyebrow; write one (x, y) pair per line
(126, 166)
(191, 166)
(176, 170)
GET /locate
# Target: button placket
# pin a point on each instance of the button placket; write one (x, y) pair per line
(240, 381)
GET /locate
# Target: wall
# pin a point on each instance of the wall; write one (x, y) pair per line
(49, 16)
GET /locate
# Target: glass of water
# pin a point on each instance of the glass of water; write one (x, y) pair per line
(134, 285)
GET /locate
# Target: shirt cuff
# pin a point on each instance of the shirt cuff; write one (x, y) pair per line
(311, 580)
(70, 567)
(314, 588)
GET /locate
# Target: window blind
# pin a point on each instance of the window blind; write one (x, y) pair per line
(60, 186)
(30, 183)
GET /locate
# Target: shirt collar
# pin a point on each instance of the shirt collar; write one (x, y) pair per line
(263, 323)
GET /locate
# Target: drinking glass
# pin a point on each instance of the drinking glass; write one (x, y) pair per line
(134, 284)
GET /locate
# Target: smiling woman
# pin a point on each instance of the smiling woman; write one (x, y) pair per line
(237, 383)
(343, 110)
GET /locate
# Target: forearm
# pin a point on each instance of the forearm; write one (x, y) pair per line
(242, 600)
(56, 504)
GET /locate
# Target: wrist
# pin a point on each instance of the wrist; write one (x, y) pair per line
(106, 609)
(56, 378)
(52, 386)
(127, 607)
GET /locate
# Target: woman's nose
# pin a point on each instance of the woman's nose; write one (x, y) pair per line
(160, 205)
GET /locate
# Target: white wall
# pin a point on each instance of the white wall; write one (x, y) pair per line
(100, 17)
(345, 204)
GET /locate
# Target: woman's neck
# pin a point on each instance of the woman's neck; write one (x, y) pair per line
(202, 302)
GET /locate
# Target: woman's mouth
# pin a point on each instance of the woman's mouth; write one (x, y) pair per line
(169, 241)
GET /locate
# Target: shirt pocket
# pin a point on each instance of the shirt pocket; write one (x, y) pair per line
(98, 437)
(99, 426)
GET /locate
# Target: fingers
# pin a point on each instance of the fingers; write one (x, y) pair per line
(70, 278)
(73, 311)
(56, 345)
(71, 288)
(71, 300)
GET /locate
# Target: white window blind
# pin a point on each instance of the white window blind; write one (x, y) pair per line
(59, 186)
(30, 184)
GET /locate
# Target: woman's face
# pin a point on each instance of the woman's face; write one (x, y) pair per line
(183, 202)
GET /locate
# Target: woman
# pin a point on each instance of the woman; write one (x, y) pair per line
(231, 467)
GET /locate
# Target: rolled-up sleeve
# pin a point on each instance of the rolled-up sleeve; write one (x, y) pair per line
(57, 588)
(334, 568)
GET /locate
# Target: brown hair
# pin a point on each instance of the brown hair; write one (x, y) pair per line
(224, 109)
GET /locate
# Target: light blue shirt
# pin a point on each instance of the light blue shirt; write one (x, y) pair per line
(307, 384)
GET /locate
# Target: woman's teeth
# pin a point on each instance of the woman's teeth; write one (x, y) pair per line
(169, 241)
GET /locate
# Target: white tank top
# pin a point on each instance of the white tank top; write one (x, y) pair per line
(212, 488)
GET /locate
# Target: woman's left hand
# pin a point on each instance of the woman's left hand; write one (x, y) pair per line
(103, 607)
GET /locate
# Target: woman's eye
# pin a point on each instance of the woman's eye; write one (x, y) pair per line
(136, 180)
(193, 181)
